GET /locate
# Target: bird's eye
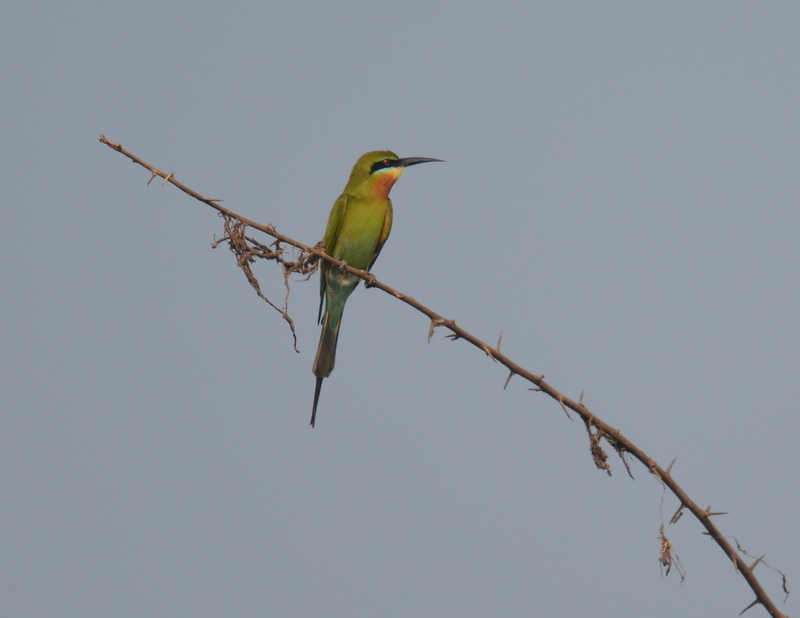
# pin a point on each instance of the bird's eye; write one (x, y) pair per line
(381, 165)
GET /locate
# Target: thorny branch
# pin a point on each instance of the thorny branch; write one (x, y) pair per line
(248, 250)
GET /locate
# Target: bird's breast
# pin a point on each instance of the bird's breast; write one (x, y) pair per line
(360, 232)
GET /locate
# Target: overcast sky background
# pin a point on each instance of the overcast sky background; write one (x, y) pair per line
(620, 198)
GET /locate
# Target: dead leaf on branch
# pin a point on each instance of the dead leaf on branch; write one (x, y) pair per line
(247, 250)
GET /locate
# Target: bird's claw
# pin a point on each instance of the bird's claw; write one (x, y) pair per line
(369, 280)
(343, 267)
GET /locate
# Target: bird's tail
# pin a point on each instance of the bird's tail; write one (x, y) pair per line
(316, 400)
(326, 353)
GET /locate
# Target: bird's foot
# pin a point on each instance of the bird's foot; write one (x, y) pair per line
(343, 267)
(370, 280)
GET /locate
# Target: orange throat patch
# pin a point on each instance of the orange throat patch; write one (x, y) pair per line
(384, 181)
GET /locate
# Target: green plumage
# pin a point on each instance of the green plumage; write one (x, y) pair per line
(358, 226)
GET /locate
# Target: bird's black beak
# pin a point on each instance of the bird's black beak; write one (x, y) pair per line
(409, 161)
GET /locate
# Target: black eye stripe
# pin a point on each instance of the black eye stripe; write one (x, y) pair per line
(383, 164)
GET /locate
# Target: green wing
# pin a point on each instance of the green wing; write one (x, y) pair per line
(331, 235)
(387, 228)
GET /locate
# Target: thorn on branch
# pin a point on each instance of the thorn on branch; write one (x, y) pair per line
(563, 407)
(167, 178)
(451, 336)
(434, 324)
(488, 351)
(678, 514)
(508, 379)
(754, 603)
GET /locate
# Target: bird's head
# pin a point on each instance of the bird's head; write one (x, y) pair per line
(377, 171)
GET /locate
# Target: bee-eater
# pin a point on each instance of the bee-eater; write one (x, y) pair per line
(358, 226)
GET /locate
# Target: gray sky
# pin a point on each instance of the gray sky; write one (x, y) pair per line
(620, 198)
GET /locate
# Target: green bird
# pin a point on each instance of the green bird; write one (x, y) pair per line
(358, 226)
